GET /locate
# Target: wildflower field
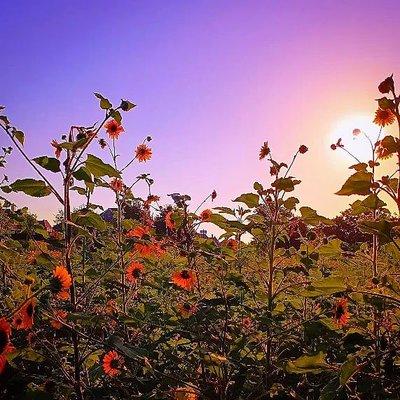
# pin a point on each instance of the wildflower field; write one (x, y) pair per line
(142, 304)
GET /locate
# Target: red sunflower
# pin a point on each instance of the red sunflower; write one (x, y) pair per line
(384, 117)
(205, 215)
(342, 315)
(143, 152)
(24, 318)
(186, 279)
(112, 363)
(134, 271)
(61, 281)
(113, 128)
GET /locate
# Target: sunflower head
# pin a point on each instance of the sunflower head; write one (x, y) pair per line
(384, 117)
(134, 271)
(342, 315)
(113, 128)
(61, 280)
(112, 363)
(143, 152)
(186, 279)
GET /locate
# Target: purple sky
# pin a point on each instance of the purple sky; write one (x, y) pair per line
(212, 80)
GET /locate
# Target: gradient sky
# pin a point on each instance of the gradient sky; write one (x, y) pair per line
(212, 79)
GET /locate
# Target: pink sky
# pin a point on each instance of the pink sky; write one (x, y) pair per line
(212, 80)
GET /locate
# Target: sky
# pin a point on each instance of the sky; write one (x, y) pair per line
(212, 80)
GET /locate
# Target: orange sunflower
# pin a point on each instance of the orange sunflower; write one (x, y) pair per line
(264, 151)
(61, 281)
(148, 250)
(113, 128)
(143, 152)
(57, 148)
(384, 117)
(168, 220)
(116, 185)
(205, 215)
(185, 393)
(5, 344)
(59, 315)
(138, 232)
(186, 279)
(187, 309)
(151, 199)
(382, 152)
(134, 271)
(24, 318)
(112, 363)
(232, 244)
(342, 315)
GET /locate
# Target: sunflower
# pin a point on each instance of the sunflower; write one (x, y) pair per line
(187, 309)
(185, 279)
(382, 152)
(116, 185)
(264, 151)
(384, 117)
(24, 318)
(342, 315)
(185, 393)
(57, 148)
(113, 128)
(138, 232)
(143, 152)
(134, 271)
(205, 215)
(61, 281)
(148, 250)
(168, 220)
(232, 244)
(151, 199)
(5, 345)
(59, 315)
(112, 363)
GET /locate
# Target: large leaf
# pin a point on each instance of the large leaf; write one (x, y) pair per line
(250, 199)
(82, 174)
(104, 103)
(327, 286)
(382, 228)
(98, 168)
(347, 370)
(308, 364)
(49, 163)
(89, 218)
(285, 184)
(310, 217)
(358, 183)
(31, 187)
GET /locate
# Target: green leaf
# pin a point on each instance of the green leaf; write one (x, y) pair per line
(290, 203)
(49, 163)
(381, 228)
(358, 183)
(127, 105)
(104, 103)
(257, 186)
(82, 174)
(31, 187)
(19, 135)
(89, 218)
(285, 184)
(250, 199)
(98, 168)
(310, 217)
(373, 202)
(308, 364)
(116, 115)
(347, 370)
(327, 286)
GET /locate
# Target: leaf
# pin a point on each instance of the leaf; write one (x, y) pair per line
(290, 203)
(250, 199)
(258, 187)
(48, 163)
(31, 187)
(347, 369)
(331, 249)
(381, 228)
(127, 105)
(20, 136)
(308, 364)
(310, 217)
(116, 115)
(285, 184)
(104, 103)
(373, 202)
(89, 218)
(358, 183)
(98, 168)
(82, 174)
(327, 286)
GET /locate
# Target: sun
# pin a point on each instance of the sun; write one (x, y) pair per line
(358, 145)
